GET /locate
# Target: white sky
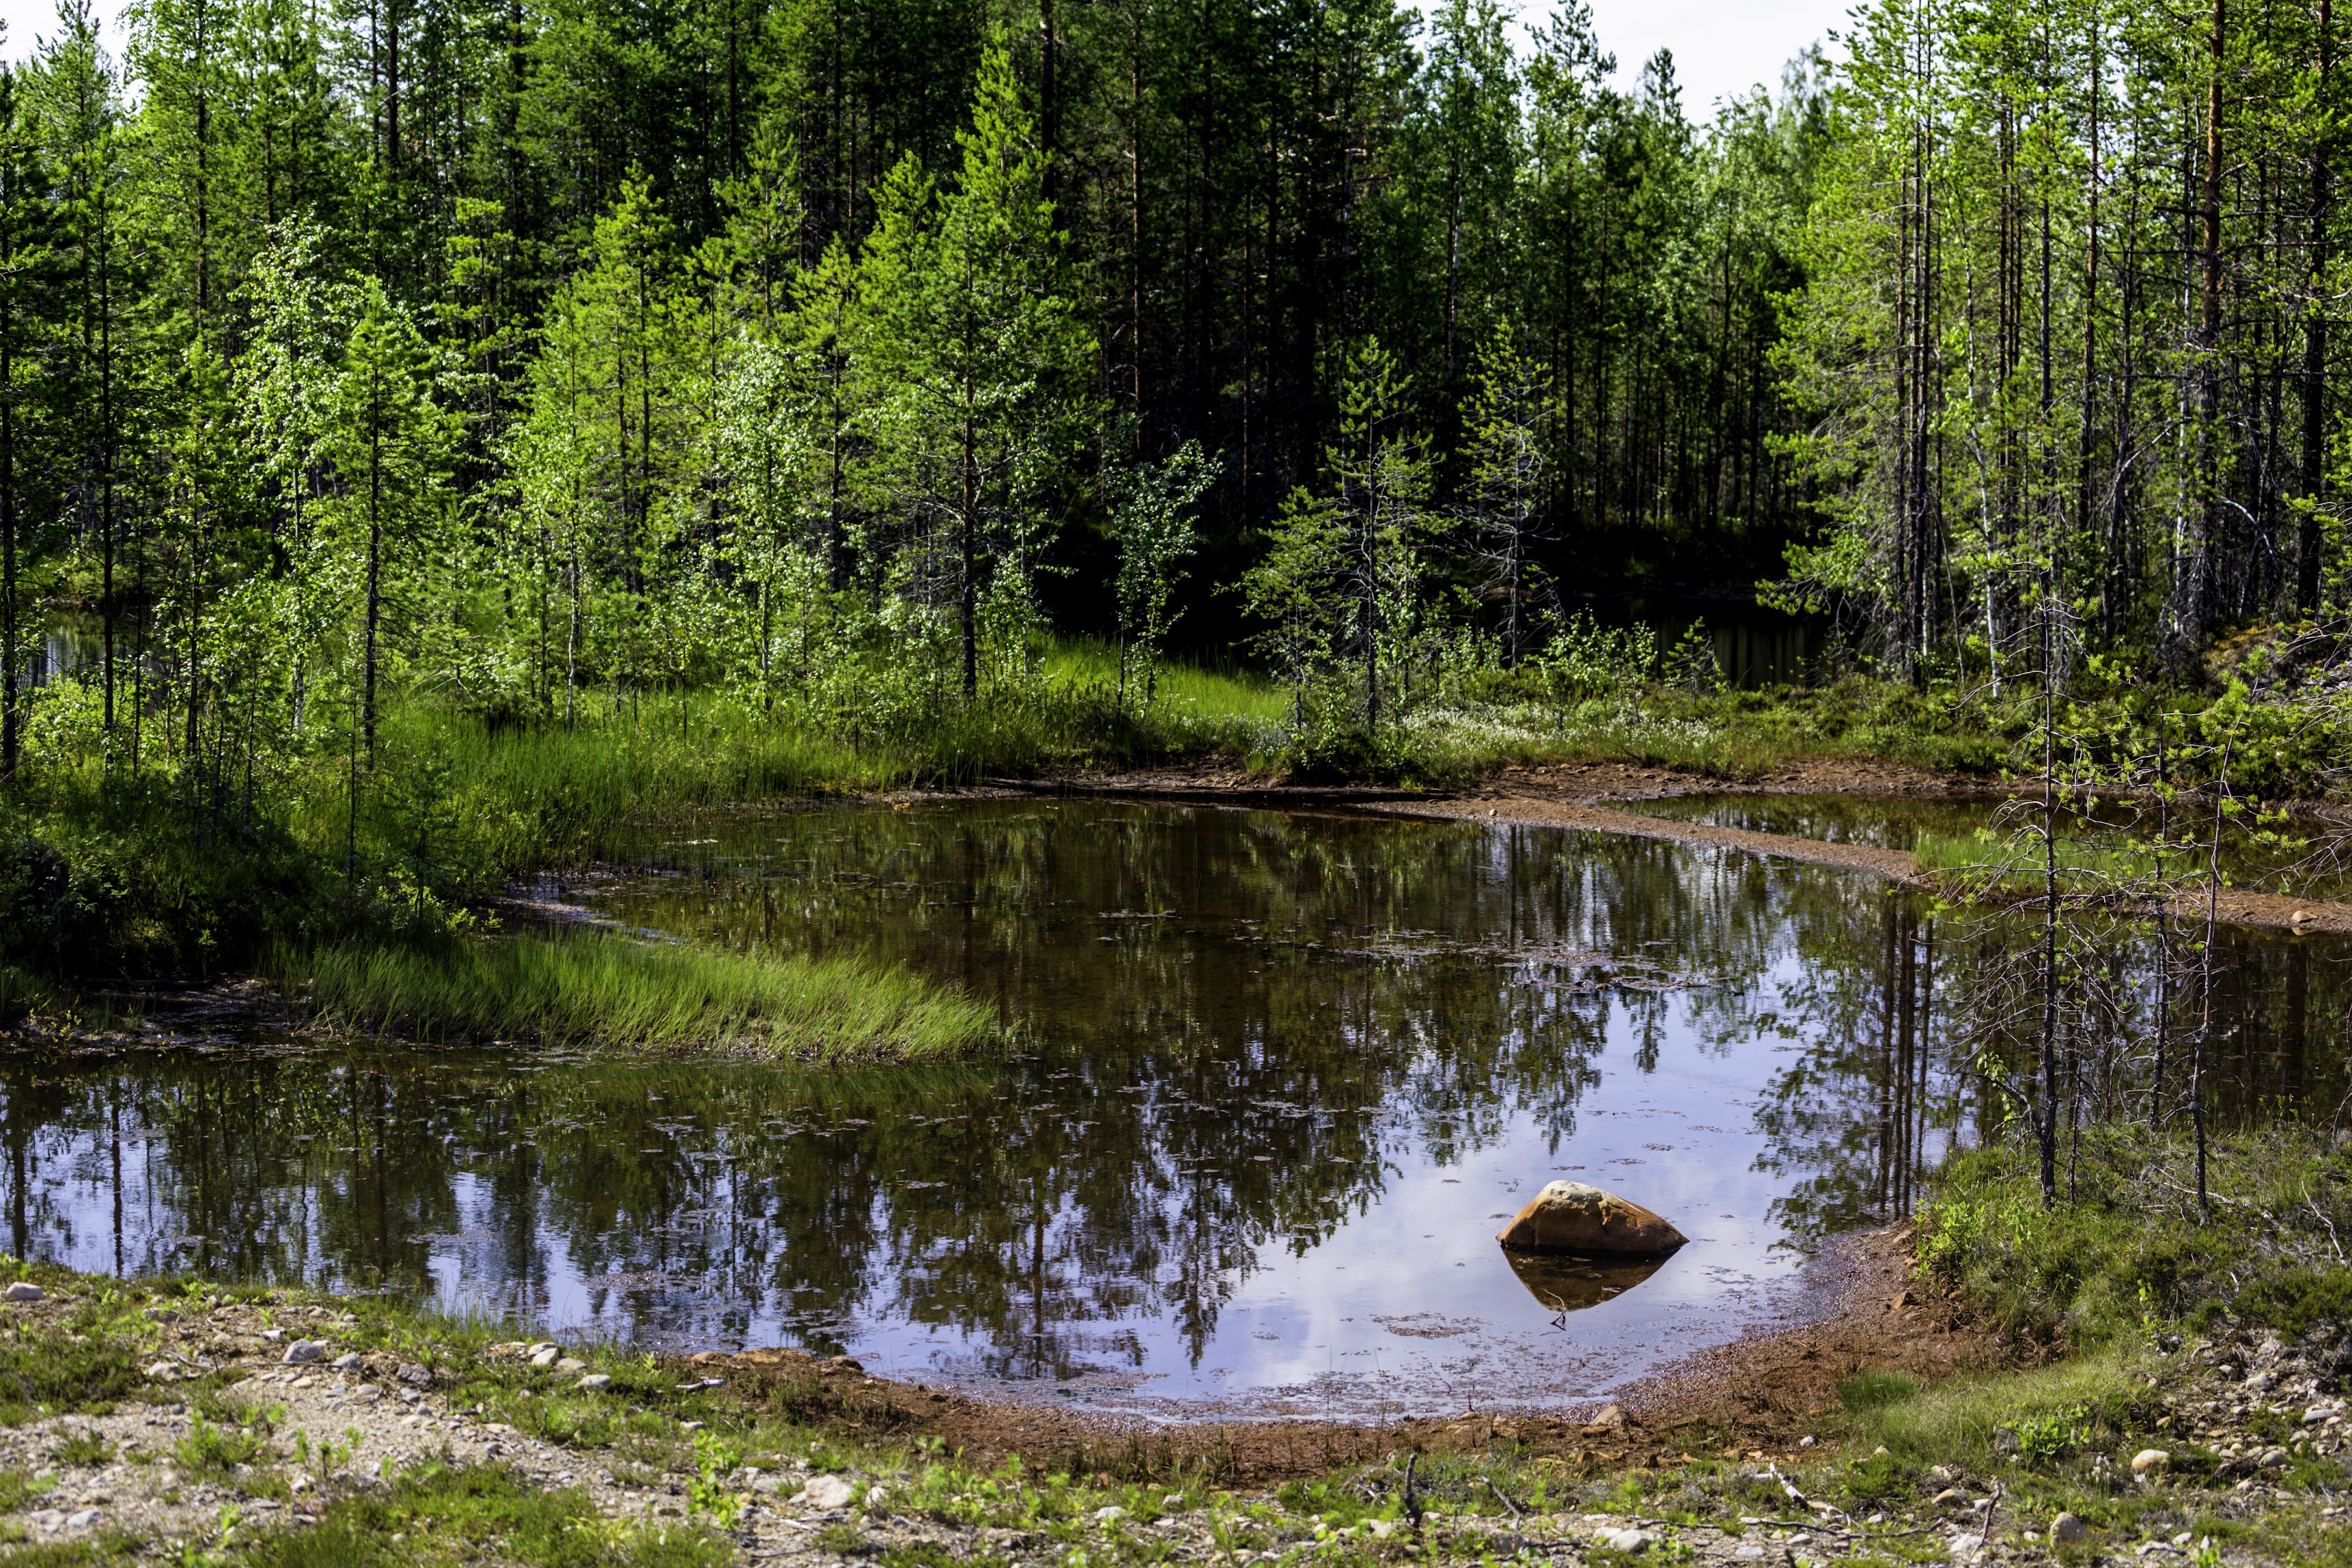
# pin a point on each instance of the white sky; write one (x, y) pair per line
(1721, 47)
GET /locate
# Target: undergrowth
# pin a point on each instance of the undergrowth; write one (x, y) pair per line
(2128, 1248)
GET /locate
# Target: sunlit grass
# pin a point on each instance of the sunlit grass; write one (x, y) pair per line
(615, 991)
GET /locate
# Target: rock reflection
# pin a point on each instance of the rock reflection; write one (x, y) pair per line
(1562, 1284)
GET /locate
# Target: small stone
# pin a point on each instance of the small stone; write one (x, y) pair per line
(2272, 1459)
(824, 1492)
(163, 1372)
(572, 1363)
(1950, 1496)
(346, 1362)
(1383, 1528)
(1628, 1540)
(593, 1382)
(26, 1290)
(303, 1353)
(545, 1356)
(2067, 1530)
(414, 1375)
(1807, 1442)
(2150, 1461)
(161, 1315)
(1881, 1452)
(300, 1485)
(273, 1335)
(1110, 1515)
(876, 1498)
(1608, 1419)
(82, 1518)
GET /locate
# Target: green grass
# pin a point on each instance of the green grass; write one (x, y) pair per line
(451, 1514)
(617, 991)
(2061, 1410)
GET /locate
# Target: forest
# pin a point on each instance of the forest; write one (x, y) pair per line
(433, 430)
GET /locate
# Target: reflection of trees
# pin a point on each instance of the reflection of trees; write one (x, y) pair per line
(1899, 1013)
(1211, 1085)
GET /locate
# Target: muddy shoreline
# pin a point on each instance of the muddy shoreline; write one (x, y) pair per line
(1757, 1398)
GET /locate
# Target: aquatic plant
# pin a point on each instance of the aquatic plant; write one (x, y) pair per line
(617, 991)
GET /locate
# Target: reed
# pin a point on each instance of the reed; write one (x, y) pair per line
(593, 988)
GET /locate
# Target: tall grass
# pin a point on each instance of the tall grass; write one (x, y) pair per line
(589, 987)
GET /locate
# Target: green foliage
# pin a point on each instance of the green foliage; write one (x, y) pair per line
(210, 1452)
(2130, 1247)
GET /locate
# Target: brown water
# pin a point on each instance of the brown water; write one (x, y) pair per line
(1282, 1077)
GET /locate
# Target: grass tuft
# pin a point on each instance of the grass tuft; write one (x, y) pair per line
(610, 990)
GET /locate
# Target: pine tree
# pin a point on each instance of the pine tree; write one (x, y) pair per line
(27, 291)
(967, 322)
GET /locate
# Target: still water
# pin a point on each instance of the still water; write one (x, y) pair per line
(1281, 1079)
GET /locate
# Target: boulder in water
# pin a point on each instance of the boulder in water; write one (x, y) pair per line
(1569, 1217)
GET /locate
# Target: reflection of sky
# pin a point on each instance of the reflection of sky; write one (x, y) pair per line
(1409, 1305)
(1415, 1302)
(1398, 1297)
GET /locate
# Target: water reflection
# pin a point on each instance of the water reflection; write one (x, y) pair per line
(1284, 1077)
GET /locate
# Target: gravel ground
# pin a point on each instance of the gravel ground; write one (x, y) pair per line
(253, 1419)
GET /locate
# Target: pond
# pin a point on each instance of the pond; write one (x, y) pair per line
(1281, 1079)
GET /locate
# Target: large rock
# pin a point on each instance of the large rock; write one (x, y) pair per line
(1569, 1216)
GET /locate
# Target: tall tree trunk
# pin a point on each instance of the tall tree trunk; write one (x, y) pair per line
(2197, 607)
(2315, 335)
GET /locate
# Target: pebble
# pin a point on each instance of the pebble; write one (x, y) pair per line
(345, 1362)
(1950, 1496)
(545, 1356)
(1110, 1515)
(2149, 1460)
(572, 1363)
(26, 1290)
(2067, 1530)
(1628, 1540)
(824, 1492)
(594, 1380)
(302, 1353)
